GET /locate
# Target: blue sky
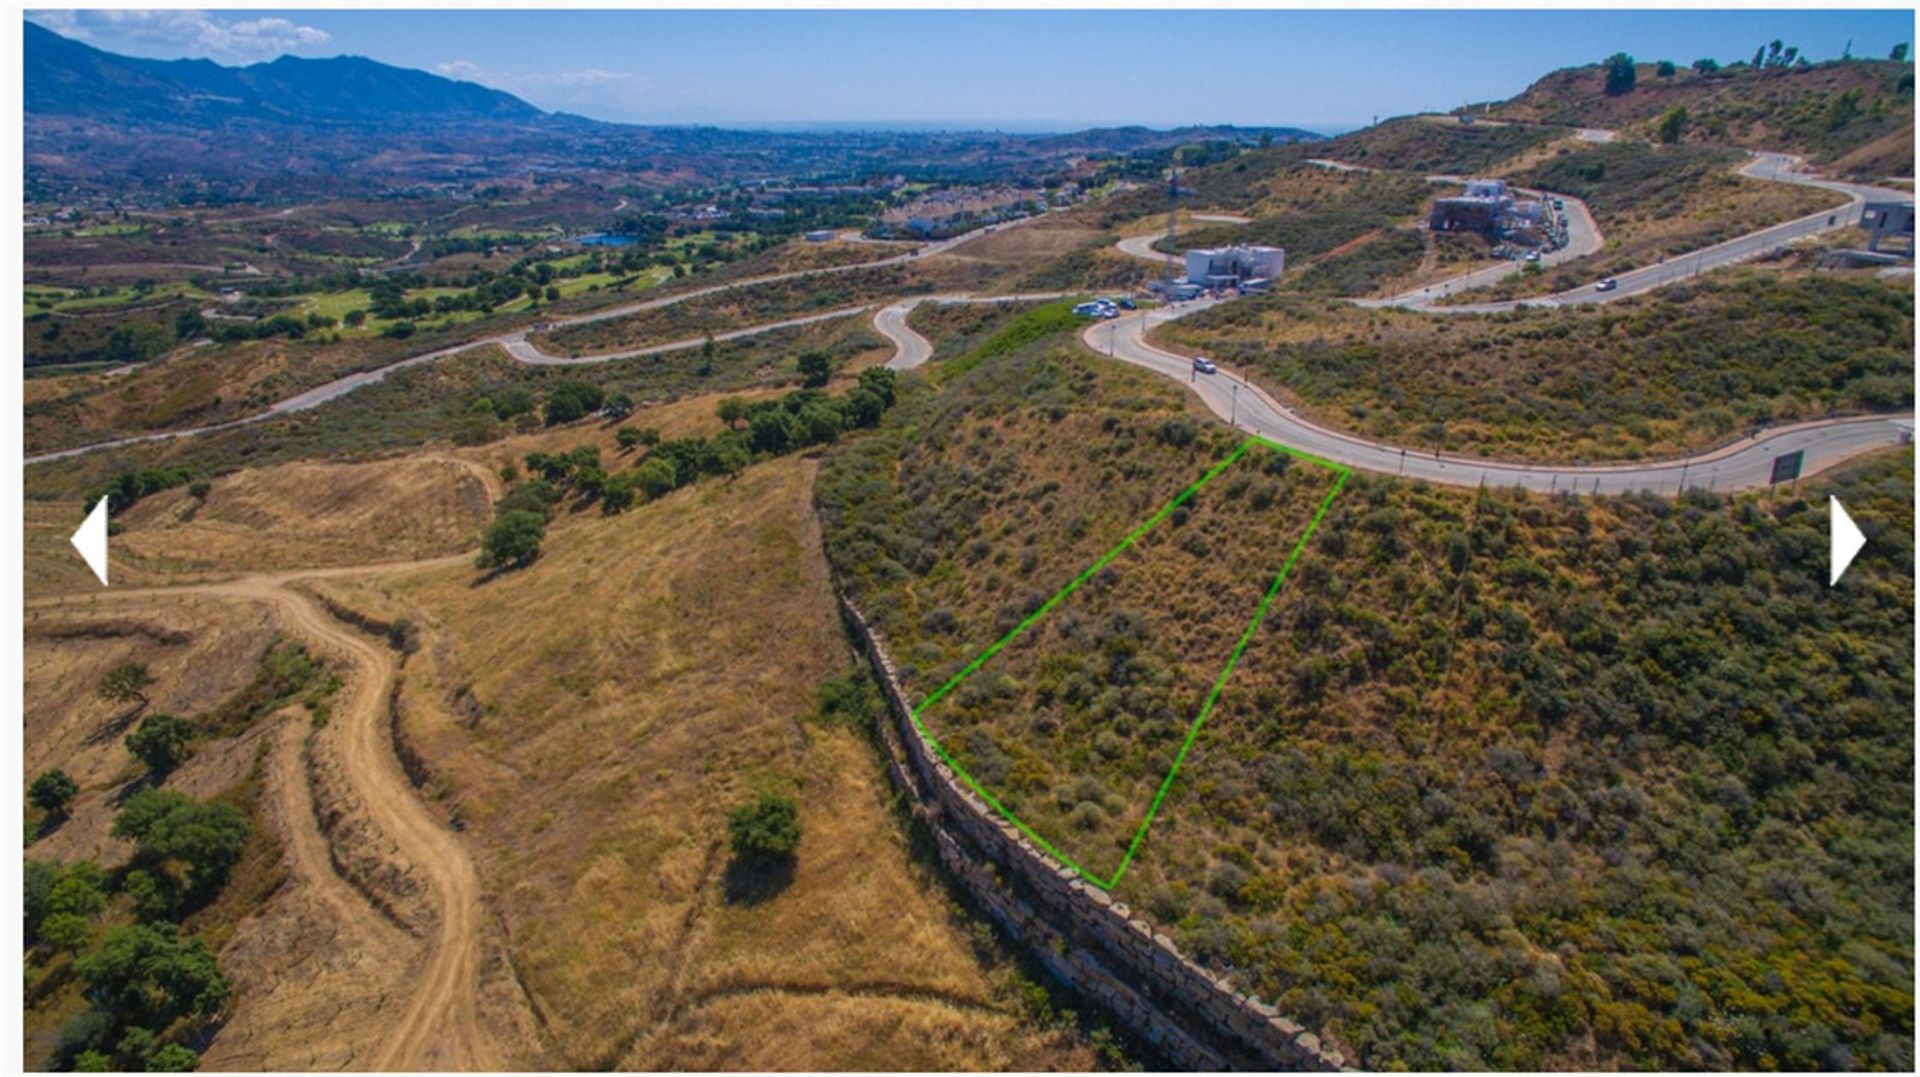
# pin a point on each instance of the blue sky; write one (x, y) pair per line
(1013, 70)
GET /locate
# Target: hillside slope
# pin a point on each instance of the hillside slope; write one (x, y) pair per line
(1856, 114)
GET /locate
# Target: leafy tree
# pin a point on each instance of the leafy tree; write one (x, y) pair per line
(1664, 69)
(534, 495)
(1672, 125)
(771, 430)
(513, 540)
(1899, 52)
(862, 408)
(880, 382)
(1706, 65)
(145, 974)
(573, 400)
(821, 423)
(766, 829)
(816, 369)
(91, 1061)
(162, 742)
(172, 1058)
(707, 351)
(1760, 56)
(53, 792)
(192, 843)
(1620, 74)
(656, 476)
(189, 323)
(627, 436)
(67, 933)
(618, 407)
(126, 683)
(617, 494)
(731, 410)
(730, 456)
(356, 318)
(136, 343)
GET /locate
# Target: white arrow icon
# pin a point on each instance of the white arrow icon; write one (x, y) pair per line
(1844, 538)
(91, 540)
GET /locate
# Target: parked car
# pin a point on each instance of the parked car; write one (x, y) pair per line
(1533, 256)
(1607, 284)
(1126, 304)
(1203, 365)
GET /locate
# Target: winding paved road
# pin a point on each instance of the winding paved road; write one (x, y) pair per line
(1746, 463)
(1739, 465)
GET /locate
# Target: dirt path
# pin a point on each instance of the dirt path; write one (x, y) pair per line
(438, 1028)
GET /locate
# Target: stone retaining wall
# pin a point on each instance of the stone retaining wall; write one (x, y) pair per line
(1075, 929)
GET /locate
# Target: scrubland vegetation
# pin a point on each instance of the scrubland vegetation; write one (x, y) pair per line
(1505, 781)
(1434, 144)
(1689, 369)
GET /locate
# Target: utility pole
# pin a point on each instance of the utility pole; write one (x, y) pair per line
(1233, 418)
(1173, 203)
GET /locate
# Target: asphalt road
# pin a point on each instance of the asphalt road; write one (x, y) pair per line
(910, 349)
(1738, 466)
(1746, 463)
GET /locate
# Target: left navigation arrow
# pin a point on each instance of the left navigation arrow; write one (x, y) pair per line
(91, 540)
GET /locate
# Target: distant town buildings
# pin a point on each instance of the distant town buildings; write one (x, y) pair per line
(1248, 268)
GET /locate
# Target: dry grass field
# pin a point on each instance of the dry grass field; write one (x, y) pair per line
(310, 516)
(593, 718)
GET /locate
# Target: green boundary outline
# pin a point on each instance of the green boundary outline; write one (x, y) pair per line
(1206, 708)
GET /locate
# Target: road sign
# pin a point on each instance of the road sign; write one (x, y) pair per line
(1786, 466)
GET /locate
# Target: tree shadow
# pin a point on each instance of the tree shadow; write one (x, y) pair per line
(754, 880)
(115, 727)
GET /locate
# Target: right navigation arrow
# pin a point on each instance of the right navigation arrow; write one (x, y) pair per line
(1844, 537)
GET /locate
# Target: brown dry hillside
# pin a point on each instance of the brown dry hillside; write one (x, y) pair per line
(592, 720)
(1796, 109)
(311, 516)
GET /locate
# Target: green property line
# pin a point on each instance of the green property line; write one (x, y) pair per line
(1206, 708)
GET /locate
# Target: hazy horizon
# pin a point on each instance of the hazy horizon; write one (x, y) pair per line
(1011, 71)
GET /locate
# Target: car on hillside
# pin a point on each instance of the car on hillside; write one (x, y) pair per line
(1204, 365)
(1606, 284)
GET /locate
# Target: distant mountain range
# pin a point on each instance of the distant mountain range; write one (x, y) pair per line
(96, 118)
(67, 78)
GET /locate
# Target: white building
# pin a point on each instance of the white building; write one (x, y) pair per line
(1235, 266)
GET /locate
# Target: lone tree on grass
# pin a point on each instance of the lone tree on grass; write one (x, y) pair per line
(162, 742)
(816, 368)
(765, 830)
(53, 792)
(1620, 74)
(126, 683)
(513, 540)
(1673, 124)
